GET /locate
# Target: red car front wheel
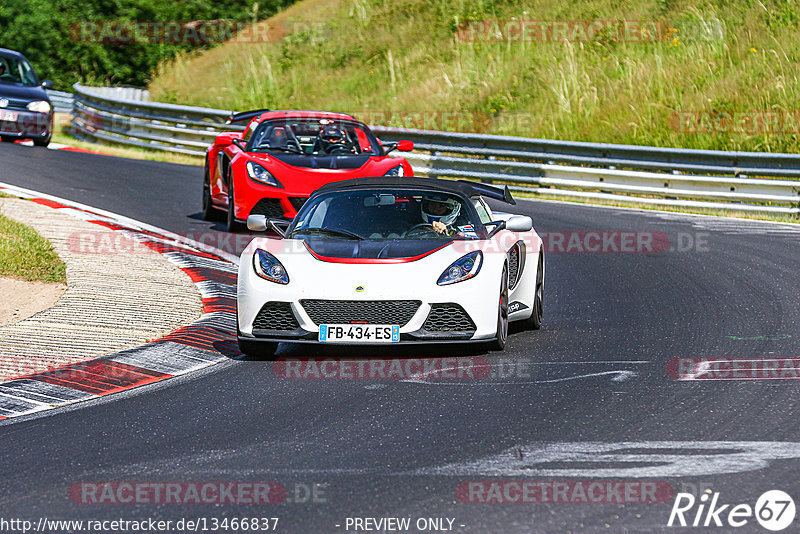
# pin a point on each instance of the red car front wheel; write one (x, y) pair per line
(231, 219)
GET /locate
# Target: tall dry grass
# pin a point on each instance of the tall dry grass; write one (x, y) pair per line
(390, 58)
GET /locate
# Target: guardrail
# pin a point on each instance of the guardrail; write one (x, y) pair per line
(561, 169)
(130, 119)
(62, 102)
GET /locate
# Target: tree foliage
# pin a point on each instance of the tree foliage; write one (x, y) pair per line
(46, 32)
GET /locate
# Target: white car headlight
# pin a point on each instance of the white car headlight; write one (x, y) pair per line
(262, 175)
(39, 106)
(464, 268)
(269, 268)
(395, 171)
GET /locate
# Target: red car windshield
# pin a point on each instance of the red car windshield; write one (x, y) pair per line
(313, 137)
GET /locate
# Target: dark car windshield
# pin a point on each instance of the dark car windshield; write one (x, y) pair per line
(378, 214)
(16, 70)
(313, 137)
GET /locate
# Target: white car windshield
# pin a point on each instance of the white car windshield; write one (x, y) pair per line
(386, 214)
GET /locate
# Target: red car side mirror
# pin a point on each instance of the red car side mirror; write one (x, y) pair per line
(226, 139)
(405, 146)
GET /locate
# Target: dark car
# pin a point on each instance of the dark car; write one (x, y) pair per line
(25, 109)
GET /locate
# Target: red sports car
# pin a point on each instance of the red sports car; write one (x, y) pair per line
(281, 157)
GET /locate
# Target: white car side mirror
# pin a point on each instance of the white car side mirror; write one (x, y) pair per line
(519, 223)
(257, 223)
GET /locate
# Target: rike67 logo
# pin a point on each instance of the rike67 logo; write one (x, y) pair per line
(774, 510)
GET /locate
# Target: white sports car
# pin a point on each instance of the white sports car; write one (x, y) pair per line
(391, 260)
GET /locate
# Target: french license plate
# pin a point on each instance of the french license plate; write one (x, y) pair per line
(9, 116)
(359, 333)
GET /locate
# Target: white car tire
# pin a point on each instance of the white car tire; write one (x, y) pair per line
(499, 342)
(534, 322)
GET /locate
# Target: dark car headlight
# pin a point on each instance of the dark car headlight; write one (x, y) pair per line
(269, 268)
(396, 171)
(39, 106)
(262, 175)
(464, 268)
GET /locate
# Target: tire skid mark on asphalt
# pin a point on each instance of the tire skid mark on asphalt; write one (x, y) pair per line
(616, 376)
(629, 459)
(208, 340)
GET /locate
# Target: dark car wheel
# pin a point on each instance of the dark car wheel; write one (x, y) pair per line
(7, 139)
(502, 314)
(535, 320)
(42, 142)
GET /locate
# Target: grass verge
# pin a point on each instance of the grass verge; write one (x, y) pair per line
(25, 255)
(127, 152)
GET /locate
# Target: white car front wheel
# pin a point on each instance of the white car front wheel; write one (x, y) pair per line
(502, 314)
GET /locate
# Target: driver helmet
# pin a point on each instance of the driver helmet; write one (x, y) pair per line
(332, 134)
(444, 210)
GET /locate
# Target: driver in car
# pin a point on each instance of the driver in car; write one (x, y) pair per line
(331, 140)
(441, 214)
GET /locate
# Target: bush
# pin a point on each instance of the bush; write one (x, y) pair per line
(45, 31)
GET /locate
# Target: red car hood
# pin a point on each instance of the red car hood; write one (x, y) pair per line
(306, 179)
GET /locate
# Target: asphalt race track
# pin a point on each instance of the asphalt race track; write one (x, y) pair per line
(587, 398)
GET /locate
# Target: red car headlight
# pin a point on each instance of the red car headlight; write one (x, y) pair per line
(262, 175)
